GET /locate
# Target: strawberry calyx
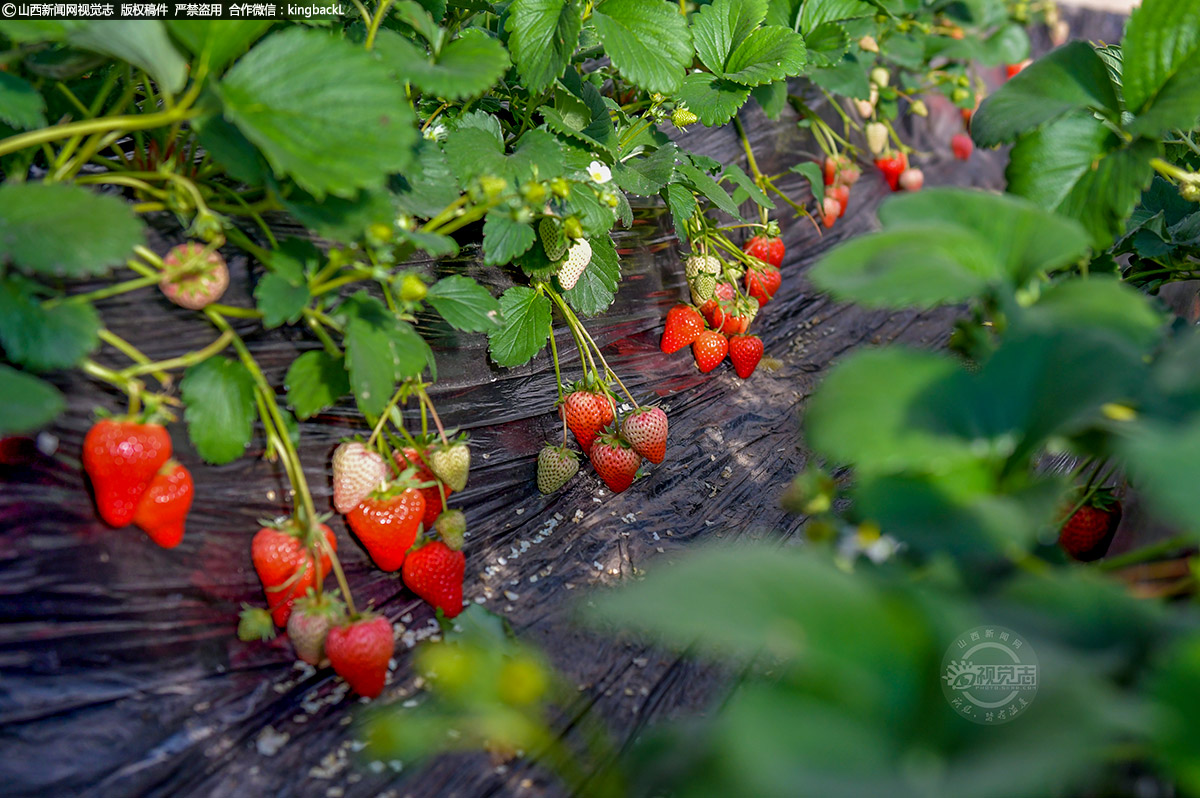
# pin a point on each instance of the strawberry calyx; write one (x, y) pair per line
(255, 623)
(407, 480)
(325, 605)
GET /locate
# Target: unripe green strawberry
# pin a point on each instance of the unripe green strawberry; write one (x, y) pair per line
(451, 526)
(877, 137)
(572, 227)
(451, 464)
(311, 619)
(578, 257)
(681, 117)
(553, 240)
(192, 280)
(702, 286)
(880, 76)
(701, 264)
(556, 466)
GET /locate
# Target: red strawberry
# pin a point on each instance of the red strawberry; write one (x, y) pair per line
(586, 413)
(840, 170)
(912, 179)
(615, 460)
(433, 496)
(892, 165)
(165, 504)
(435, 573)
(360, 651)
(1086, 534)
(285, 567)
(831, 169)
(387, 523)
(962, 145)
(684, 323)
(646, 431)
(770, 250)
(1011, 70)
(842, 195)
(736, 320)
(356, 472)
(191, 280)
(745, 351)
(709, 349)
(831, 211)
(312, 618)
(121, 458)
(762, 284)
(713, 314)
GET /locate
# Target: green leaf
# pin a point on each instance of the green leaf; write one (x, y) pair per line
(26, 403)
(321, 110)
(647, 40)
(464, 304)
(219, 394)
(705, 185)
(229, 148)
(435, 244)
(712, 34)
(341, 219)
(847, 78)
(40, 338)
(1070, 78)
(746, 187)
(380, 350)
(1080, 169)
(427, 185)
(543, 37)
(1099, 303)
(1174, 687)
(466, 67)
(21, 106)
(1163, 459)
(65, 230)
(767, 55)
(597, 287)
(646, 176)
(1161, 77)
(683, 207)
(504, 238)
(816, 178)
(815, 13)
(280, 301)
(473, 152)
(223, 40)
(314, 381)
(526, 327)
(143, 43)
(826, 45)
(772, 98)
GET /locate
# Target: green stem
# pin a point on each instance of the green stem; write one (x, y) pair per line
(437, 422)
(183, 361)
(387, 411)
(104, 293)
(133, 353)
(86, 127)
(554, 357)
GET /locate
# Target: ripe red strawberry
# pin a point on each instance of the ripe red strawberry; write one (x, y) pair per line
(831, 170)
(1011, 70)
(356, 472)
(763, 283)
(360, 651)
(312, 618)
(831, 211)
(387, 523)
(962, 145)
(713, 314)
(165, 504)
(191, 280)
(615, 461)
(842, 195)
(433, 495)
(841, 171)
(770, 250)
(912, 179)
(745, 351)
(121, 458)
(892, 165)
(737, 319)
(1086, 534)
(285, 567)
(586, 413)
(556, 466)
(684, 323)
(709, 349)
(435, 573)
(646, 431)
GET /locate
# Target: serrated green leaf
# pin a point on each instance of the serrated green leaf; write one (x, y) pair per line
(816, 178)
(280, 301)
(222, 40)
(338, 218)
(466, 67)
(596, 218)
(232, 150)
(647, 40)
(847, 78)
(683, 207)
(464, 304)
(427, 185)
(1099, 303)
(814, 13)
(747, 187)
(26, 403)
(526, 326)
(703, 184)
(472, 152)
(40, 338)
(435, 244)
(1161, 76)
(712, 34)
(65, 230)
(380, 350)
(321, 110)
(504, 238)
(826, 45)
(543, 37)
(597, 286)
(314, 381)
(647, 175)
(21, 106)
(711, 98)
(767, 55)
(143, 43)
(1068, 79)
(219, 394)
(772, 98)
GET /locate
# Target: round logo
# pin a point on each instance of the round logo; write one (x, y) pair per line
(989, 675)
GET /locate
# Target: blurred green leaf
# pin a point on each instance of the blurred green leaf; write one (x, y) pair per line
(26, 403)
(220, 412)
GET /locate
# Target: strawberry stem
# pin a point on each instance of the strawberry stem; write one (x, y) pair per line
(183, 361)
(433, 412)
(132, 352)
(340, 575)
(554, 357)
(387, 412)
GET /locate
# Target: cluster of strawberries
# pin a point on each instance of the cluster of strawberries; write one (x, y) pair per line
(840, 174)
(615, 450)
(135, 480)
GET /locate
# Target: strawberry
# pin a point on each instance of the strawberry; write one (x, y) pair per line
(360, 651)
(191, 280)
(831, 211)
(356, 472)
(451, 464)
(709, 349)
(769, 250)
(701, 264)
(579, 255)
(556, 466)
(713, 314)
(830, 169)
(1011, 70)
(586, 413)
(1086, 534)
(646, 431)
(912, 179)
(684, 323)
(312, 618)
(738, 315)
(962, 146)
(451, 527)
(842, 195)
(387, 523)
(877, 138)
(165, 504)
(435, 573)
(553, 240)
(615, 460)
(702, 287)
(763, 283)
(892, 164)
(285, 565)
(121, 458)
(407, 457)
(745, 351)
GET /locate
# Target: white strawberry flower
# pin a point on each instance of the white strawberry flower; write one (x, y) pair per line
(599, 172)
